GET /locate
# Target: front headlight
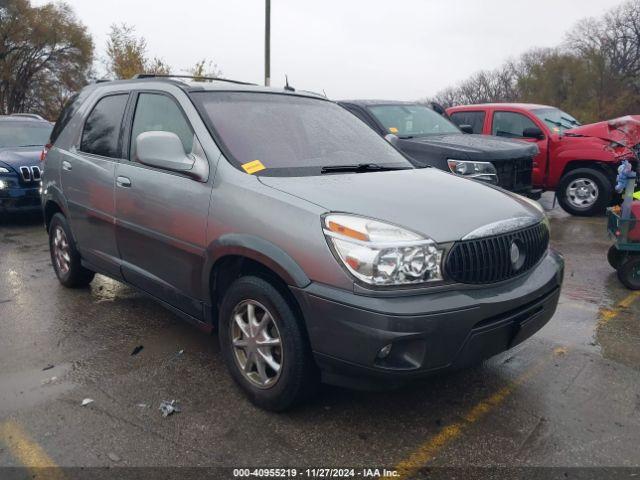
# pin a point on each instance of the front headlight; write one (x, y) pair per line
(479, 170)
(4, 170)
(381, 254)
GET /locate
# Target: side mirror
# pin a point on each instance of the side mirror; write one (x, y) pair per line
(533, 132)
(466, 128)
(391, 138)
(164, 150)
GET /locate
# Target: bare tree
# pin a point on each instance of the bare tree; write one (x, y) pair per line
(127, 54)
(45, 56)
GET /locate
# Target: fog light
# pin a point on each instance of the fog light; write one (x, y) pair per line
(3, 185)
(384, 351)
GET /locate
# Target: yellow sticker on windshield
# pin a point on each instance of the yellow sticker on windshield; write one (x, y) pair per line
(253, 167)
(393, 130)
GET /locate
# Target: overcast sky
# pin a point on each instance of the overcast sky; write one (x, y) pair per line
(404, 50)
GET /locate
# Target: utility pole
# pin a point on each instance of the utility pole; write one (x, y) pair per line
(267, 43)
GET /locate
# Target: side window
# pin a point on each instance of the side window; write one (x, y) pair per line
(475, 119)
(102, 127)
(510, 124)
(155, 112)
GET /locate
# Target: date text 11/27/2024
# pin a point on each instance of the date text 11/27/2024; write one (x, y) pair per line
(314, 473)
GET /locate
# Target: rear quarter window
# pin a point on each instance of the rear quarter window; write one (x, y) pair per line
(475, 119)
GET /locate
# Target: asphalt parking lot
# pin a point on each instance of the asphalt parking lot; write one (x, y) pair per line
(568, 397)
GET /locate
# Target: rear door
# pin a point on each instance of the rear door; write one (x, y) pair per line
(475, 119)
(87, 178)
(161, 215)
(512, 125)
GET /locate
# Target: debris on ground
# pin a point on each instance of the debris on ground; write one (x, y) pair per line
(143, 405)
(49, 380)
(87, 401)
(48, 367)
(137, 350)
(113, 457)
(169, 407)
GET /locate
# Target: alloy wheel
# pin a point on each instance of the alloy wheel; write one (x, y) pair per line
(61, 250)
(257, 344)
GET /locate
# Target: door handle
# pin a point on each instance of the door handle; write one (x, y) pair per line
(66, 166)
(123, 182)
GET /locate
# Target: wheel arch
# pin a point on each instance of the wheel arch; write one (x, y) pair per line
(236, 255)
(607, 168)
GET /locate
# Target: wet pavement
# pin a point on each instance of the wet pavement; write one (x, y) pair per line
(569, 396)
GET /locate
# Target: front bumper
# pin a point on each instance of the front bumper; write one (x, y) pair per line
(18, 200)
(428, 332)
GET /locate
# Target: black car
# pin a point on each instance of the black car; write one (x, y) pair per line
(22, 139)
(429, 138)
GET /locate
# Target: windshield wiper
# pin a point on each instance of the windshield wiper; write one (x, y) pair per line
(361, 167)
(559, 124)
(572, 121)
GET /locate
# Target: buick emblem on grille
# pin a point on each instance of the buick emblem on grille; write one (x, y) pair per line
(516, 256)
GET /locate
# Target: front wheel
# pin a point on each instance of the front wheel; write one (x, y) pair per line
(629, 272)
(584, 192)
(264, 345)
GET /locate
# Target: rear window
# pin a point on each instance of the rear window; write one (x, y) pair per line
(102, 129)
(291, 135)
(24, 134)
(475, 119)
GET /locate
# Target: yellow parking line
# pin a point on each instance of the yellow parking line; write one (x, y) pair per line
(632, 297)
(28, 452)
(428, 450)
(608, 314)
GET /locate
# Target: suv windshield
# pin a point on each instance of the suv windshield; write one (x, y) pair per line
(557, 120)
(412, 120)
(293, 135)
(24, 134)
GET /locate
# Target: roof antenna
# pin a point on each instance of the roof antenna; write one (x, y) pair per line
(288, 87)
(325, 93)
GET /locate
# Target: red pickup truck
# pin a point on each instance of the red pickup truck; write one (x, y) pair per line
(578, 161)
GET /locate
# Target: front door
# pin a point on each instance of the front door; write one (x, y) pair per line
(161, 216)
(512, 125)
(88, 175)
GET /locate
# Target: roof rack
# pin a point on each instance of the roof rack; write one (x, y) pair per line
(27, 115)
(141, 76)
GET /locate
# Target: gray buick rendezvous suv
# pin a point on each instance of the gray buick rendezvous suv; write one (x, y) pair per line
(314, 247)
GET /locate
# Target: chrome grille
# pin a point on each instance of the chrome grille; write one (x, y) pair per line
(30, 174)
(35, 174)
(26, 174)
(491, 259)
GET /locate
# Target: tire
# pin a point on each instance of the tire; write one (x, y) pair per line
(615, 257)
(64, 255)
(629, 272)
(585, 192)
(267, 388)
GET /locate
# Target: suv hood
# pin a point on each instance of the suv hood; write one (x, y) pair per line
(624, 130)
(17, 157)
(427, 201)
(460, 146)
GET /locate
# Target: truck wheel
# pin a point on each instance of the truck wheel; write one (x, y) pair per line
(584, 192)
(615, 257)
(629, 272)
(64, 255)
(264, 345)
